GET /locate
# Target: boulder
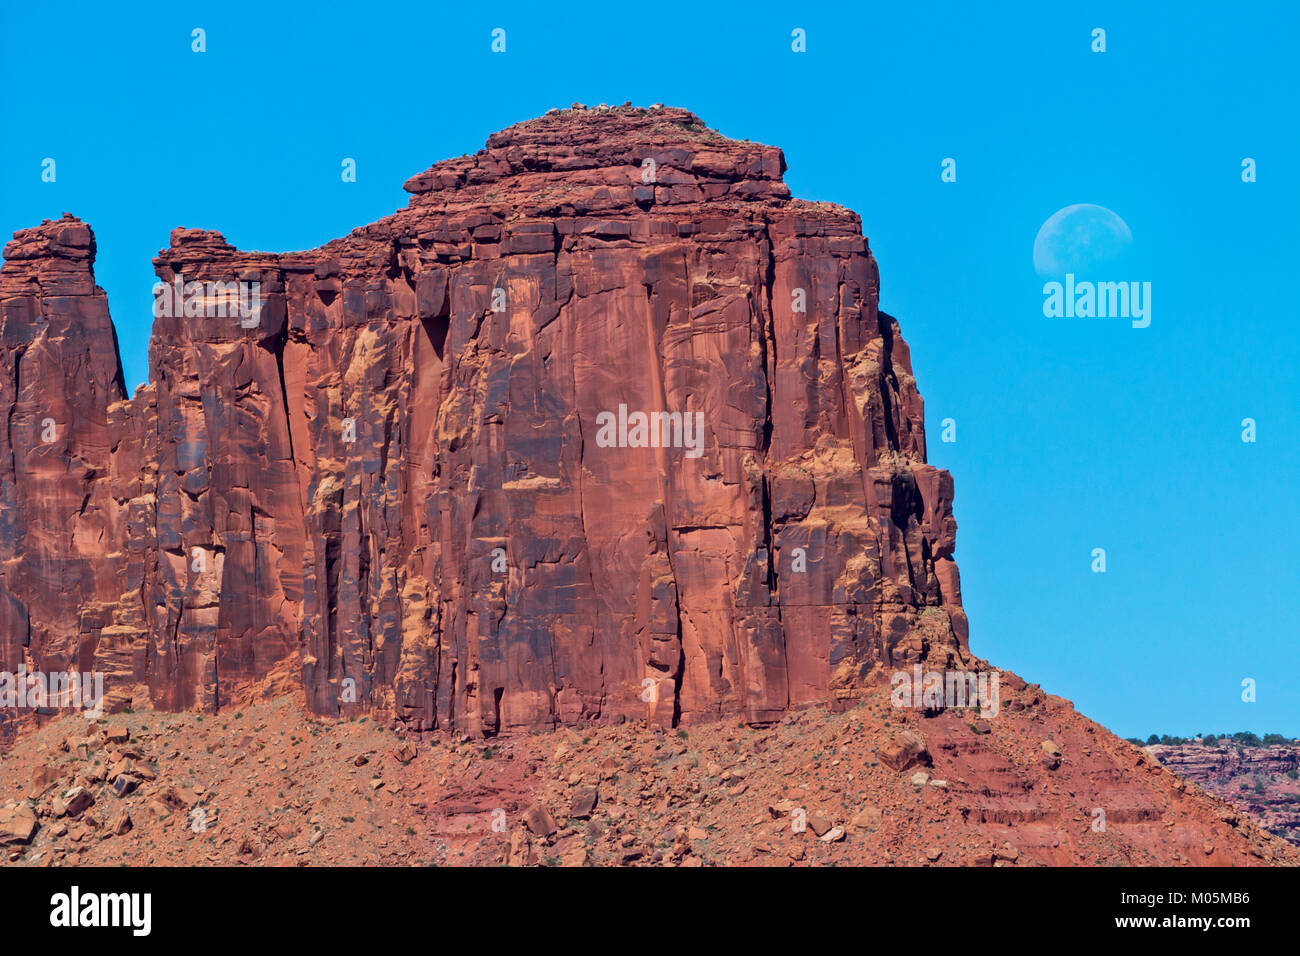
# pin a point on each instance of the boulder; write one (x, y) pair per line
(584, 803)
(539, 821)
(17, 823)
(903, 751)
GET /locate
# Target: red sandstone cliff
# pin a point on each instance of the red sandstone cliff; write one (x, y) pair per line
(335, 481)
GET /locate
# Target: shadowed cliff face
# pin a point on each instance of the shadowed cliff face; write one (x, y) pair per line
(602, 424)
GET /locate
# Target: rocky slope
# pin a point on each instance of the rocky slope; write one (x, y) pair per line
(263, 783)
(1261, 781)
(398, 471)
(397, 506)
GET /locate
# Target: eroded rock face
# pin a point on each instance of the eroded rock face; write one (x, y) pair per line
(400, 459)
(59, 373)
(1260, 780)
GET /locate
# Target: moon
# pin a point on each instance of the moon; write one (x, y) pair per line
(1080, 239)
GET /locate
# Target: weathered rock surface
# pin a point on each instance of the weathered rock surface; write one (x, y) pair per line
(59, 540)
(1262, 781)
(396, 472)
(903, 751)
(17, 823)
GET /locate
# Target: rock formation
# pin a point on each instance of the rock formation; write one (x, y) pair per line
(413, 459)
(1262, 781)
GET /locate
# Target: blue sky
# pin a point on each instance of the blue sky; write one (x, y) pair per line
(1072, 434)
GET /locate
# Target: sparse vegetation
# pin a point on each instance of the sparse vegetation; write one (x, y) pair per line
(1242, 738)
